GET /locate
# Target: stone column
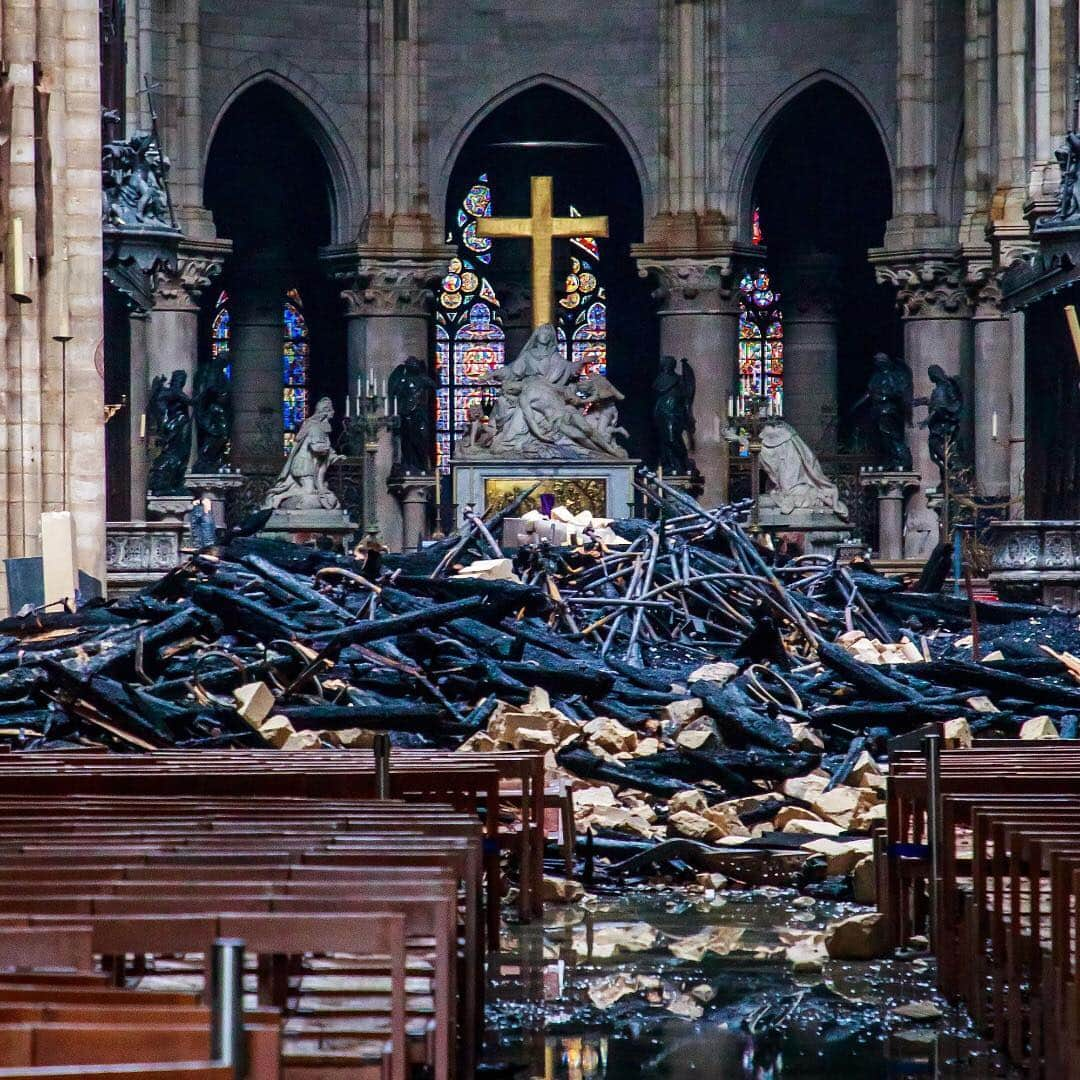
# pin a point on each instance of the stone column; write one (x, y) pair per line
(933, 300)
(992, 386)
(809, 287)
(388, 310)
(172, 337)
(699, 320)
(255, 356)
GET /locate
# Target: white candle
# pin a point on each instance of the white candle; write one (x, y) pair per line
(142, 426)
(359, 391)
(730, 405)
(993, 426)
(348, 403)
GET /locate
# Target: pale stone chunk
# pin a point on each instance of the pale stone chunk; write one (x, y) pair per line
(864, 881)
(1038, 728)
(811, 827)
(254, 702)
(276, 730)
(719, 673)
(691, 799)
(841, 856)
(610, 735)
(860, 937)
(562, 891)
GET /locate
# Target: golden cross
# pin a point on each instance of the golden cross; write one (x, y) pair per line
(541, 228)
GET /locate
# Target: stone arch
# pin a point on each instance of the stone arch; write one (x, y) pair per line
(756, 145)
(314, 118)
(543, 79)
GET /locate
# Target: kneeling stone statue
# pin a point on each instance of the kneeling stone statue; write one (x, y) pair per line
(799, 483)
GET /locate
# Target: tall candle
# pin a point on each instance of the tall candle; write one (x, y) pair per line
(347, 405)
(142, 426)
(993, 426)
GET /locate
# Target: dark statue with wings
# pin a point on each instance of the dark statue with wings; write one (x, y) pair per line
(673, 415)
(170, 418)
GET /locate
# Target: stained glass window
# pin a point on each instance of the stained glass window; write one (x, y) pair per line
(219, 334)
(295, 353)
(469, 338)
(582, 320)
(761, 338)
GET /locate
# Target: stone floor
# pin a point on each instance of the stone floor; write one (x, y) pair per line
(598, 992)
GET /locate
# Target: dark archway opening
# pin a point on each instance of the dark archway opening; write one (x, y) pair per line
(545, 131)
(270, 191)
(824, 187)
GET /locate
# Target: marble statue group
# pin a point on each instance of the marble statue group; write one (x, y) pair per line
(547, 410)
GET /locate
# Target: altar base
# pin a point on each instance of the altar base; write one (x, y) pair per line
(822, 530)
(604, 488)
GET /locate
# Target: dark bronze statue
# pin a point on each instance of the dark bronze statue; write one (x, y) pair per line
(170, 414)
(412, 391)
(212, 407)
(945, 405)
(673, 415)
(889, 395)
(1068, 159)
(134, 183)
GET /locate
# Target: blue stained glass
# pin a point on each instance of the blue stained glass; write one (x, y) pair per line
(761, 338)
(295, 352)
(469, 341)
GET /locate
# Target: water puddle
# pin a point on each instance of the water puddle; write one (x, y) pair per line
(668, 985)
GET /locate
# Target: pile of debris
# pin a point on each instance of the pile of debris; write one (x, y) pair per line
(704, 700)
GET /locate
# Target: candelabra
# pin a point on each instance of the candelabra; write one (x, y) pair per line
(367, 415)
(752, 413)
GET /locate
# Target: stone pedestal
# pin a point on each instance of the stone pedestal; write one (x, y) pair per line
(167, 507)
(412, 493)
(822, 530)
(699, 320)
(217, 486)
(309, 526)
(605, 488)
(891, 489)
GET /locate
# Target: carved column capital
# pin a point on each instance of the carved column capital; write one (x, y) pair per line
(388, 288)
(984, 289)
(928, 286)
(179, 284)
(689, 285)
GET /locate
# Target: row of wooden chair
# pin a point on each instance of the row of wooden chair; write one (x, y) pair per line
(364, 918)
(983, 851)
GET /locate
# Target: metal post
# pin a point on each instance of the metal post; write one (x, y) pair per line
(932, 752)
(227, 1042)
(382, 765)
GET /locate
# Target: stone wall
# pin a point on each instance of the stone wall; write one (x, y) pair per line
(50, 50)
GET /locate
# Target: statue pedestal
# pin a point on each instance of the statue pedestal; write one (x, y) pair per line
(308, 526)
(891, 489)
(603, 487)
(217, 486)
(823, 530)
(411, 491)
(138, 553)
(167, 507)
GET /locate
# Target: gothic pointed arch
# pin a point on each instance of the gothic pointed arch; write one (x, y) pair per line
(762, 134)
(311, 106)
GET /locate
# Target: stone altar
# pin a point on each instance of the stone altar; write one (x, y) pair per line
(550, 425)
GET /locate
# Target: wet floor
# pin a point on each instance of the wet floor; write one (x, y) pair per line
(670, 985)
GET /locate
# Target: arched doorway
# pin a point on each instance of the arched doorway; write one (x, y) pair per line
(483, 312)
(272, 322)
(823, 196)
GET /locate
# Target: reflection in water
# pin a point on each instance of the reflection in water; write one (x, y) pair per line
(576, 1057)
(671, 986)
